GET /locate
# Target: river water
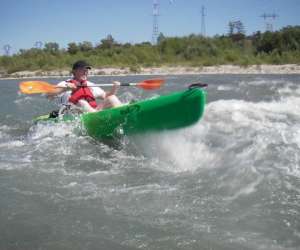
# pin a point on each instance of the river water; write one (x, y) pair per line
(231, 181)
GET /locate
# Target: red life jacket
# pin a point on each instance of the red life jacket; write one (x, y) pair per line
(82, 92)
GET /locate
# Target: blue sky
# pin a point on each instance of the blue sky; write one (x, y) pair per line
(24, 22)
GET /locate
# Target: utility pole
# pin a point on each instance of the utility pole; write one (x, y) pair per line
(203, 29)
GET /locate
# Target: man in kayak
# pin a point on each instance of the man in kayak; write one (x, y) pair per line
(83, 93)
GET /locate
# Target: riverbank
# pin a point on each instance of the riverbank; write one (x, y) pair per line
(166, 70)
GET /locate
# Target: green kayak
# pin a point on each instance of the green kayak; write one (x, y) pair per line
(176, 110)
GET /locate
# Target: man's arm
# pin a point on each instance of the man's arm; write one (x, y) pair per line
(60, 88)
(113, 90)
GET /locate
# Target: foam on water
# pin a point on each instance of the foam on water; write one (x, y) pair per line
(178, 150)
(52, 130)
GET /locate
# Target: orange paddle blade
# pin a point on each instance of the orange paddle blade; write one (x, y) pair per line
(151, 84)
(36, 87)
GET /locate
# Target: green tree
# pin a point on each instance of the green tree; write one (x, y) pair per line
(85, 46)
(51, 47)
(107, 43)
(72, 48)
(160, 38)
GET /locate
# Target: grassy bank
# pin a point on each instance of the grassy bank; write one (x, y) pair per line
(275, 48)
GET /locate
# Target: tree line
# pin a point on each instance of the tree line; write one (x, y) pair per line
(278, 47)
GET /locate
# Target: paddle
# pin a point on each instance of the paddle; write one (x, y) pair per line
(41, 87)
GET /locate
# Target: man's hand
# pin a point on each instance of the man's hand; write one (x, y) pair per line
(71, 86)
(116, 83)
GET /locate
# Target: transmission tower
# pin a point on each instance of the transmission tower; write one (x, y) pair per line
(7, 48)
(155, 21)
(203, 30)
(38, 44)
(236, 27)
(268, 20)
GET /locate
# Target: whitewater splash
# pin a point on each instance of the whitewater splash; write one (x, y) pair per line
(231, 131)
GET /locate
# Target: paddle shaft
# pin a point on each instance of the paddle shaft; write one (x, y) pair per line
(112, 84)
(103, 85)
